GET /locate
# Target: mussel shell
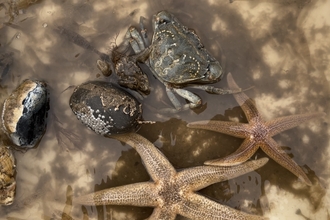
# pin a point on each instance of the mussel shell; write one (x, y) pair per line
(7, 176)
(24, 113)
(106, 108)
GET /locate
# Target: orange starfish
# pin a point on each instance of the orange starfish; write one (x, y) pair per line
(256, 133)
(173, 192)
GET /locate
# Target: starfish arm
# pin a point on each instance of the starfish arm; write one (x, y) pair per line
(199, 207)
(154, 161)
(137, 194)
(162, 214)
(247, 104)
(235, 129)
(272, 149)
(285, 123)
(200, 177)
(242, 154)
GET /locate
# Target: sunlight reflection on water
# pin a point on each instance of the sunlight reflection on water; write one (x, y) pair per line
(279, 47)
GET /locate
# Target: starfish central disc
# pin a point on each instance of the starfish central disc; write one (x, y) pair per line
(259, 132)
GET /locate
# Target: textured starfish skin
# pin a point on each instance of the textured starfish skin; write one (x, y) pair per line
(172, 192)
(257, 133)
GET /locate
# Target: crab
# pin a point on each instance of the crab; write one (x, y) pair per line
(128, 73)
(177, 58)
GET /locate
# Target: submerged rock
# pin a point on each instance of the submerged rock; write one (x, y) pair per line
(106, 108)
(24, 114)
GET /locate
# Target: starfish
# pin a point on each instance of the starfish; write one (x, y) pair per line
(257, 133)
(172, 192)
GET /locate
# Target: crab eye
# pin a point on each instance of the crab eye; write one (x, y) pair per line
(163, 17)
(163, 21)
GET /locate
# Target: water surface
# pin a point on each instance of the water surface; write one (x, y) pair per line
(280, 47)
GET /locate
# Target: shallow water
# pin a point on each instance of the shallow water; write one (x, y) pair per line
(279, 47)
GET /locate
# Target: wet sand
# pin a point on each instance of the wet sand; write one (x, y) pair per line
(279, 47)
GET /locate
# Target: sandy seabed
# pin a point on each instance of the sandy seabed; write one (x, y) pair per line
(280, 47)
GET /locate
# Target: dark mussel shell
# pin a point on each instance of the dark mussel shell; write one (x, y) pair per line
(106, 108)
(7, 176)
(24, 114)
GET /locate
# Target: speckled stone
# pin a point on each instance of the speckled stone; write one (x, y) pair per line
(106, 108)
